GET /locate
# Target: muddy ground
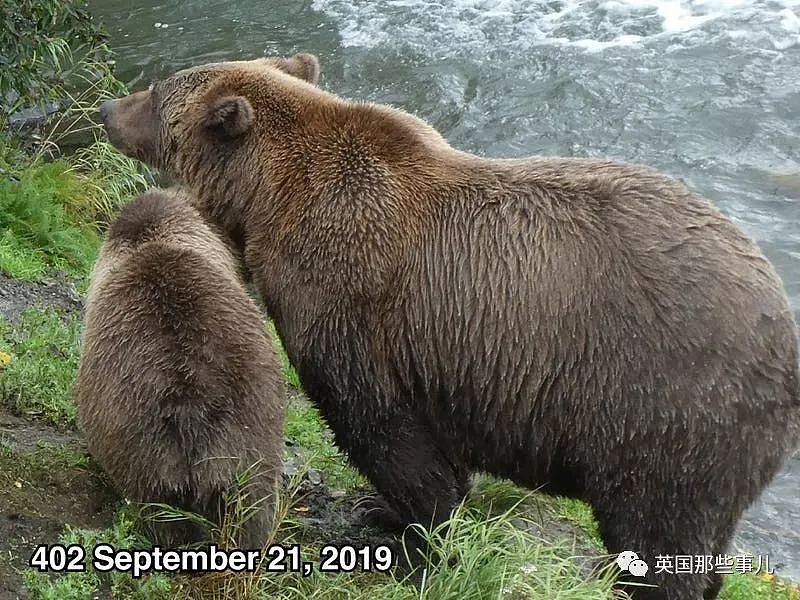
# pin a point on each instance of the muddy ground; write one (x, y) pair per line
(16, 296)
(43, 486)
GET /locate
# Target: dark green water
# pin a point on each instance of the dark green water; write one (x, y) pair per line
(706, 90)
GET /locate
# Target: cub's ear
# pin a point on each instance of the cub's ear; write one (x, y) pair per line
(303, 66)
(231, 116)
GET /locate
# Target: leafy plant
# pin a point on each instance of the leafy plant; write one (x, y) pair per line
(46, 46)
(53, 50)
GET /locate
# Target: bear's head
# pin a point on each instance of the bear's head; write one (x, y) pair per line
(205, 113)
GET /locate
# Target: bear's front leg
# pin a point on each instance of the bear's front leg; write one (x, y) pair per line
(420, 479)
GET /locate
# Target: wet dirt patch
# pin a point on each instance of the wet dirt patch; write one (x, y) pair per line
(46, 482)
(17, 296)
(342, 518)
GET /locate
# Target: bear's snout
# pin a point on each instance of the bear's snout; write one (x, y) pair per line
(106, 114)
(129, 123)
(105, 111)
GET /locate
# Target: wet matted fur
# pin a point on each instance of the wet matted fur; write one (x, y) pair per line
(588, 326)
(179, 387)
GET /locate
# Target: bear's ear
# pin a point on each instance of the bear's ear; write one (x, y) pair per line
(303, 66)
(230, 116)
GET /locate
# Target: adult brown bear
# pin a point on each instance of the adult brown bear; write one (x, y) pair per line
(179, 388)
(590, 326)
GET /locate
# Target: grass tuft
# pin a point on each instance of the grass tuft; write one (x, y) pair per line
(110, 179)
(38, 379)
(493, 557)
(19, 261)
(41, 226)
(289, 372)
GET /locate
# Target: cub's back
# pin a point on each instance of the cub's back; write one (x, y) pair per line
(176, 364)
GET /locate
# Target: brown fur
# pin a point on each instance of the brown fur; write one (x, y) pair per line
(588, 326)
(179, 387)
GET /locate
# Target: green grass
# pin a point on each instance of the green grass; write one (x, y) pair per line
(18, 260)
(761, 587)
(306, 428)
(43, 360)
(289, 373)
(110, 179)
(493, 557)
(42, 230)
(88, 584)
(51, 213)
(580, 514)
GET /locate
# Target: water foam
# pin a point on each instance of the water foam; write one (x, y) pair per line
(592, 25)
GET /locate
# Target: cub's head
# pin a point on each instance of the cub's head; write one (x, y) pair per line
(206, 114)
(165, 217)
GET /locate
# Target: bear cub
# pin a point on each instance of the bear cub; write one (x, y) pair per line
(179, 388)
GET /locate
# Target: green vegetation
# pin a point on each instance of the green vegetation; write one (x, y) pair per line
(42, 229)
(43, 360)
(15, 261)
(306, 428)
(109, 179)
(48, 46)
(52, 50)
(51, 213)
(763, 587)
(580, 514)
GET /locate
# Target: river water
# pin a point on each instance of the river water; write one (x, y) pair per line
(706, 90)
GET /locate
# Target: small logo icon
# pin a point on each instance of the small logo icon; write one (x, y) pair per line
(630, 561)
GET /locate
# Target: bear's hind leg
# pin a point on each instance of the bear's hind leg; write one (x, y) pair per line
(714, 586)
(723, 541)
(630, 527)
